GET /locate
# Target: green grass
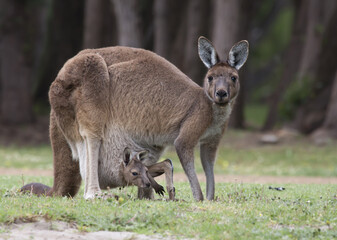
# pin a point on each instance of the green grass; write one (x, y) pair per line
(39, 157)
(241, 211)
(239, 154)
(279, 161)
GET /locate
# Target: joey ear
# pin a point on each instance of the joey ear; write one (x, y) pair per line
(207, 52)
(142, 155)
(238, 54)
(126, 156)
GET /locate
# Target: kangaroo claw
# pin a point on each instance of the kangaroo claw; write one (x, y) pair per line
(160, 190)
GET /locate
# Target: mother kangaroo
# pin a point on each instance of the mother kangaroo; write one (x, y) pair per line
(105, 99)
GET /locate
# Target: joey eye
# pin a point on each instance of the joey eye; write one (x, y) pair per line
(134, 173)
(233, 79)
(210, 78)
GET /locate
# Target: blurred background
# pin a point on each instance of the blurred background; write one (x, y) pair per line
(288, 81)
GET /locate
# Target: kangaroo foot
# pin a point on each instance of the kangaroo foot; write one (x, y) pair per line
(172, 193)
(92, 193)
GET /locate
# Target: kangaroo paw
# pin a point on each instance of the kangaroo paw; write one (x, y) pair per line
(159, 189)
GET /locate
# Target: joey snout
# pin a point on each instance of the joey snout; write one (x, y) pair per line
(147, 185)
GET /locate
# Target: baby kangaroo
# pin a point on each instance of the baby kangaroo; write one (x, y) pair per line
(134, 172)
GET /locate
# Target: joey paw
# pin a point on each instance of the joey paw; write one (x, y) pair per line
(160, 190)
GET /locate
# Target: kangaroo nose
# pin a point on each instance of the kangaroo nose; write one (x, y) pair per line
(222, 93)
(148, 185)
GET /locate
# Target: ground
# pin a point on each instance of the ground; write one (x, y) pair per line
(56, 230)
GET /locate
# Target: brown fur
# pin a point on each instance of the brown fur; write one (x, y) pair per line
(105, 98)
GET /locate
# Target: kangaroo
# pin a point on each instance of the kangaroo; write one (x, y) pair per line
(108, 98)
(134, 172)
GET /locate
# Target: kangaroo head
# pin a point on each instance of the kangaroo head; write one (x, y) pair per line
(221, 83)
(135, 172)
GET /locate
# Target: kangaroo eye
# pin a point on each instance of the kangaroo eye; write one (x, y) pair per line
(233, 79)
(134, 173)
(210, 78)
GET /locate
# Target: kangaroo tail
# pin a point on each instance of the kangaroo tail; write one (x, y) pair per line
(36, 188)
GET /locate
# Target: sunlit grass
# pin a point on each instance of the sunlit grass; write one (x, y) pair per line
(236, 155)
(293, 159)
(26, 157)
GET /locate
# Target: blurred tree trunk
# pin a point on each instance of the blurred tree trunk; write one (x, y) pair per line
(312, 37)
(313, 113)
(246, 11)
(197, 17)
(17, 46)
(179, 23)
(328, 130)
(162, 28)
(330, 123)
(129, 21)
(226, 24)
(99, 24)
(291, 62)
(93, 23)
(64, 40)
(169, 29)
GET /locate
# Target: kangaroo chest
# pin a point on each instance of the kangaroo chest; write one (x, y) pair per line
(220, 117)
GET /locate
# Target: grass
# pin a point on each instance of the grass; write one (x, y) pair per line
(241, 211)
(39, 157)
(295, 158)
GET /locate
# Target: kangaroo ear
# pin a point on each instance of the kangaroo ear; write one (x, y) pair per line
(142, 155)
(126, 156)
(207, 52)
(238, 54)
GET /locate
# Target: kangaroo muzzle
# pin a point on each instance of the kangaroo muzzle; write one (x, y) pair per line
(222, 96)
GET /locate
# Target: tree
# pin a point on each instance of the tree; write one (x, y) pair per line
(18, 34)
(63, 41)
(328, 130)
(129, 21)
(93, 23)
(225, 31)
(313, 113)
(162, 28)
(99, 24)
(179, 24)
(197, 12)
(290, 63)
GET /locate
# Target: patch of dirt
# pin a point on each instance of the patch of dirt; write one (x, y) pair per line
(55, 230)
(181, 177)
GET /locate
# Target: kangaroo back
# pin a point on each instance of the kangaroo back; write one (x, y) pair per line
(150, 102)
